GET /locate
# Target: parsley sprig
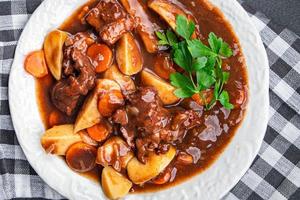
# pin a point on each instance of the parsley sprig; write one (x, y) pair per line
(202, 63)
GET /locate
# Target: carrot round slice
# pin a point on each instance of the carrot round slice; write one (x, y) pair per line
(35, 64)
(101, 56)
(110, 102)
(81, 157)
(99, 132)
(204, 98)
(54, 118)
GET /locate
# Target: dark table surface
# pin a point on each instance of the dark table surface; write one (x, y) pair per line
(275, 172)
(283, 12)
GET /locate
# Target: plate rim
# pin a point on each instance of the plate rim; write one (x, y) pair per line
(219, 5)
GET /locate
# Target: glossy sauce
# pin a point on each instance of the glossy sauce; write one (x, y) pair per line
(209, 140)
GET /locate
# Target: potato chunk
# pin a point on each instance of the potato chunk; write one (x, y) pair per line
(58, 139)
(167, 10)
(140, 173)
(164, 89)
(114, 152)
(114, 184)
(53, 47)
(104, 85)
(145, 29)
(129, 58)
(126, 83)
(89, 114)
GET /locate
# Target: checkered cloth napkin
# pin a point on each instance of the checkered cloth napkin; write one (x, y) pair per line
(275, 173)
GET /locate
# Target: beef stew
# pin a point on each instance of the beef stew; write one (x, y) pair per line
(114, 109)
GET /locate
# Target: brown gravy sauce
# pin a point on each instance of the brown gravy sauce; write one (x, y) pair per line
(220, 125)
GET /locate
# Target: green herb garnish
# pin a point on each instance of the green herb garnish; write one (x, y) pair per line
(202, 63)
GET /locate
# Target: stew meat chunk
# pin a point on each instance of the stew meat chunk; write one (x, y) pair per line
(111, 20)
(78, 72)
(154, 126)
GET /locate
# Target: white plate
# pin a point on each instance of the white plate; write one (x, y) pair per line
(211, 184)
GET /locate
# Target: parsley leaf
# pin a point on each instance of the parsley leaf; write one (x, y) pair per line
(182, 56)
(225, 50)
(182, 93)
(184, 28)
(202, 63)
(177, 79)
(204, 79)
(225, 76)
(163, 38)
(216, 89)
(224, 100)
(172, 38)
(161, 35)
(198, 49)
(199, 63)
(210, 65)
(183, 83)
(214, 42)
(219, 46)
(167, 39)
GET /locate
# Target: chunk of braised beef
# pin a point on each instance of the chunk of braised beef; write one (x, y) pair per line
(112, 32)
(155, 126)
(129, 134)
(93, 18)
(78, 74)
(120, 117)
(81, 40)
(63, 97)
(128, 130)
(67, 92)
(151, 116)
(187, 119)
(73, 45)
(111, 20)
(111, 10)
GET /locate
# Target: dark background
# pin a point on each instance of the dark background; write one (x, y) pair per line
(283, 12)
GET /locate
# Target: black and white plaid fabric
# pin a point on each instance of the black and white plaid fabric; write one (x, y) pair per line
(275, 173)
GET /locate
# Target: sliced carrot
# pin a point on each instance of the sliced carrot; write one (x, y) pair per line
(110, 102)
(54, 118)
(163, 66)
(35, 64)
(104, 106)
(101, 56)
(205, 97)
(198, 99)
(81, 157)
(99, 132)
